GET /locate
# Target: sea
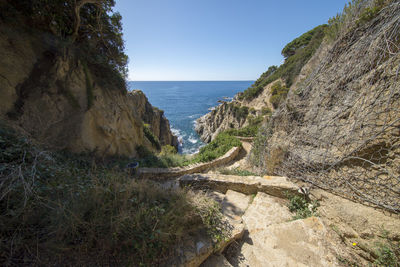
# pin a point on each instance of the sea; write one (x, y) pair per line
(184, 102)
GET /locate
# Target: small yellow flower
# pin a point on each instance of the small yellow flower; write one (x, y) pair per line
(354, 244)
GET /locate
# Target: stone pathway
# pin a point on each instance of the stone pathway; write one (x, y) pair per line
(264, 234)
(270, 237)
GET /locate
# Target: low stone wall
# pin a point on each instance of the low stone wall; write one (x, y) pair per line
(272, 185)
(165, 173)
(245, 139)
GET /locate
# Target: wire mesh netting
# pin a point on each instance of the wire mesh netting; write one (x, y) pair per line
(340, 127)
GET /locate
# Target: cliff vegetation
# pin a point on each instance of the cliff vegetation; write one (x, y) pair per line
(334, 107)
(61, 208)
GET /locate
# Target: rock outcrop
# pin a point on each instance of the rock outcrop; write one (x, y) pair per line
(339, 125)
(234, 114)
(55, 97)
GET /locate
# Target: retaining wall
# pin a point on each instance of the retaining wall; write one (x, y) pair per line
(165, 173)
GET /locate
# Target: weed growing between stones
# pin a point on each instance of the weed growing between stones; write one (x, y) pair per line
(387, 251)
(237, 171)
(302, 206)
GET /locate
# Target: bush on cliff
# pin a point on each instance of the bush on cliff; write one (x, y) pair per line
(278, 94)
(151, 137)
(62, 208)
(297, 54)
(88, 29)
(354, 14)
(215, 149)
(248, 131)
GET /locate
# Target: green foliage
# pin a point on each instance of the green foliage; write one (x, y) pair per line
(248, 131)
(255, 121)
(354, 14)
(98, 39)
(387, 251)
(217, 148)
(278, 94)
(151, 137)
(239, 112)
(168, 149)
(300, 42)
(303, 207)
(266, 111)
(371, 12)
(385, 256)
(59, 207)
(237, 171)
(165, 159)
(298, 56)
(258, 85)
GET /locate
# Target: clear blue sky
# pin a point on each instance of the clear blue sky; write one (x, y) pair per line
(214, 39)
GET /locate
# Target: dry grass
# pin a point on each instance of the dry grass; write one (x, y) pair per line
(58, 208)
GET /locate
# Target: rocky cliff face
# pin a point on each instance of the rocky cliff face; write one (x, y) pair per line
(339, 126)
(53, 96)
(234, 114)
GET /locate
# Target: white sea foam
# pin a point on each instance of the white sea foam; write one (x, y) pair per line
(192, 139)
(176, 132)
(194, 116)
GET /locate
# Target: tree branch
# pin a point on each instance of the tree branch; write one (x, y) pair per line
(77, 9)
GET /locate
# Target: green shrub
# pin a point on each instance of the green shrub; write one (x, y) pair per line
(255, 121)
(303, 207)
(217, 148)
(239, 112)
(248, 131)
(387, 251)
(59, 207)
(151, 137)
(278, 94)
(98, 41)
(237, 171)
(166, 159)
(168, 150)
(354, 14)
(266, 111)
(298, 52)
(371, 12)
(385, 255)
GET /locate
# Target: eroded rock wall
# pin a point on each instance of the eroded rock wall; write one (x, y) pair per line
(339, 127)
(50, 94)
(224, 117)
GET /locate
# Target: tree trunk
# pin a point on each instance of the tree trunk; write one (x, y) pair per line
(77, 9)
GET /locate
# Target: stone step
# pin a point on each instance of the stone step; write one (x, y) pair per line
(272, 185)
(272, 239)
(264, 211)
(234, 205)
(216, 261)
(195, 250)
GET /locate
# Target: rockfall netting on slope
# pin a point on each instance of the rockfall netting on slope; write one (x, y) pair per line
(340, 128)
